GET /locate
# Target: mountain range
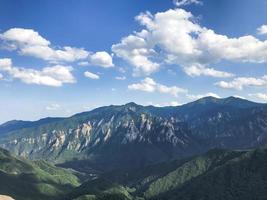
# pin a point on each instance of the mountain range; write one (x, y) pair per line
(144, 152)
(133, 135)
(217, 174)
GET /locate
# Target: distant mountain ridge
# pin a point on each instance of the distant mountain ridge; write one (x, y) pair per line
(130, 135)
(19, 124)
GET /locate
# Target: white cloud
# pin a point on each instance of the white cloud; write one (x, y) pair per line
(176, 37)
(122, 70)
(66, 54)
(52, 107)
(28, 42)
(241, 82)
(238, 96)
(91, 75)
(121, 78)
(199, 96)
(198, 70)
(172, 103)
(262, 30)
(243, 49)
(54, 76)
(1, 76)
(136, 51)
(146, 85)
(23, 37)
(173, 90)
(259, 96)
(5, 64)
(102, 59)
(179, 3)
(83, 63)
(149, 85)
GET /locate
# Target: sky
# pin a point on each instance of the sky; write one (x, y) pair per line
(58, 58)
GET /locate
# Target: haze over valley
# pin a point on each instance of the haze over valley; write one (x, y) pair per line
(133, 100)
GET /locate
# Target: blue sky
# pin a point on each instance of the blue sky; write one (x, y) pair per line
(62, 57)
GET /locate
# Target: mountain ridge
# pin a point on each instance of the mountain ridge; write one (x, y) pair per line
(204, 99)
(120, 136)
(23, 179)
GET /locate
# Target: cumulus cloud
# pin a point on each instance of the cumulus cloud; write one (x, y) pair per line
(198, 70)
(260, 96)
(22, 37)
(66, 54)
(172, 103)
(30, 43)
(199, 96)
(146, 85)
(149, 85)
(102, 59)
(91, 75)
(176, 37)
(179, 3)
(52, 107)
(121, 78)
(241, 82)
(137, 52)
(262, 30)
(54, 76)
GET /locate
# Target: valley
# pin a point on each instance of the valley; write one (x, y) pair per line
(140, 152)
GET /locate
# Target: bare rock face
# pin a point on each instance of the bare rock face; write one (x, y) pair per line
(137, 134)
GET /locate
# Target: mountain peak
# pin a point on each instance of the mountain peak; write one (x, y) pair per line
(229, 101)
(234, 98)
(238, 102)
(130, 104)
(208, 99)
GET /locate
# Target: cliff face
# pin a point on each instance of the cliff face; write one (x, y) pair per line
(135, 135)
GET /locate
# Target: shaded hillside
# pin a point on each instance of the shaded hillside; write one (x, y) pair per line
(100, 189)
(218, 174)
(24, 180)
(242, 178)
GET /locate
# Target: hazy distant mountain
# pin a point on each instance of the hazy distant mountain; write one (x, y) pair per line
(132, 135)
(19, 124)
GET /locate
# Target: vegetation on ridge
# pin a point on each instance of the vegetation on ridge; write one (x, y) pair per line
(24, 180)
